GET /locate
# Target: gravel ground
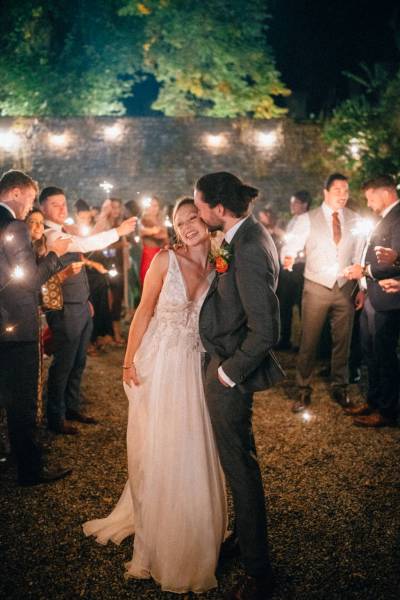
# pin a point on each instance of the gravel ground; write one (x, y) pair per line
(333, 495)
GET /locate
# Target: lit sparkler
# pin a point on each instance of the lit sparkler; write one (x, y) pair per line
(363, 227)
(106, 186)
(18, 272)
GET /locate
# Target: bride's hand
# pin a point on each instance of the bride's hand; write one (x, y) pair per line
(129, 375)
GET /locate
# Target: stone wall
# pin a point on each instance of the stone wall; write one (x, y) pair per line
(164, 156)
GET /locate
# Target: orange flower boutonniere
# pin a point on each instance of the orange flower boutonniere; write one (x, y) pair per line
(220, 258)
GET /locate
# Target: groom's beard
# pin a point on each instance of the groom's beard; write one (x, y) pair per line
(212, 228)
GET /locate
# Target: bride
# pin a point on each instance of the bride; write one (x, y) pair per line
(174, 500)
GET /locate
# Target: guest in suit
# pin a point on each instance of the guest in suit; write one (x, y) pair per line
(239, 324)
(290, 285)
(380, 319)
(325, 234)
(20, 281)
(71, 326)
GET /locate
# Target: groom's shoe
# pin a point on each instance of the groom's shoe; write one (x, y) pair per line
(252, 588)
(229, 549)
(74, 415)
(62, 428)
(45, 476)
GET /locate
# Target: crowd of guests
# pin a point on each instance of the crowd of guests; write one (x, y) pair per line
(345, 284)
(345, 281)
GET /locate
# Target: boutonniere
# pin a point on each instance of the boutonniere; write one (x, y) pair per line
(220, 258)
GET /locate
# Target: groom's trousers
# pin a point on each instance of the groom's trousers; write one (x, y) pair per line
(231, 412)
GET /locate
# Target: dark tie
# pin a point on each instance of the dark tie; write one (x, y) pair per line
(224, 244)
(336, 228)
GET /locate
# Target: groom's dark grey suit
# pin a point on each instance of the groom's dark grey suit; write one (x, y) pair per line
(239, 324)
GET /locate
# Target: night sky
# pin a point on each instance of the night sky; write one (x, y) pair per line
(314, 41)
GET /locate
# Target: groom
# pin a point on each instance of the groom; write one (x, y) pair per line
(239, 324)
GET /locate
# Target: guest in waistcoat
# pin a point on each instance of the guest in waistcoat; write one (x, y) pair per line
(325, 234)
(71, 326)
(380, 319)
(20, 282)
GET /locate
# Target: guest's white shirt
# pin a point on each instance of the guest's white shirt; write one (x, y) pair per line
(228, 237)
(78, 243)
(299, 233)
(10, 210)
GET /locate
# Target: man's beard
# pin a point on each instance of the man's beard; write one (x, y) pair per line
(212, 228)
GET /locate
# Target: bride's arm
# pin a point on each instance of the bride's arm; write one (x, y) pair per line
(151, 290)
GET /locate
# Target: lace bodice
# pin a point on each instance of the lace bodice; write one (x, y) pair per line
(175, 316)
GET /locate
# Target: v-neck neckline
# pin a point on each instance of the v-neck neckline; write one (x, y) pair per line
(192, 300)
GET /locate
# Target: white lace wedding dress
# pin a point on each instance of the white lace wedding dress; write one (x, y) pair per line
(174, 501)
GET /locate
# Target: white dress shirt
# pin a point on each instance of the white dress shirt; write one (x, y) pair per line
(228, 237)
(78, 243)
(298, 235)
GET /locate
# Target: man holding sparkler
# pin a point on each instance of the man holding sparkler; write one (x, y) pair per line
(380, 319)
(326, 235)
(20, 282)
(71, 326)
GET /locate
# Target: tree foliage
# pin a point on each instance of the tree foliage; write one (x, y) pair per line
(66, 58)
(364, 131)
(81, 57)
(211, 57)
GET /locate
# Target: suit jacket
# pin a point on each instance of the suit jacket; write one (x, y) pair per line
(239, 319)
(19, 298)
(387, 234)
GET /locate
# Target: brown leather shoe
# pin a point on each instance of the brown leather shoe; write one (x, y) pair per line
(63, 428)
(73, 415)
(375, 419)
(359, 411)
(251, 588)
(302, 401)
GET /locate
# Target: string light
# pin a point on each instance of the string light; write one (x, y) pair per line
(266, 139)
(306, 416)
(9, 140)
(113, 132)
(216, 141)
(9, 328)
(167, 222)
(113, 271)
(58, 139)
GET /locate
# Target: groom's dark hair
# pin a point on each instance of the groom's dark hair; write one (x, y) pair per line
(226, 189)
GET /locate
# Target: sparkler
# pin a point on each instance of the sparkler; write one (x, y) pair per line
(18, 273)
(106, 186)
(363, 228)
(113, 271)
